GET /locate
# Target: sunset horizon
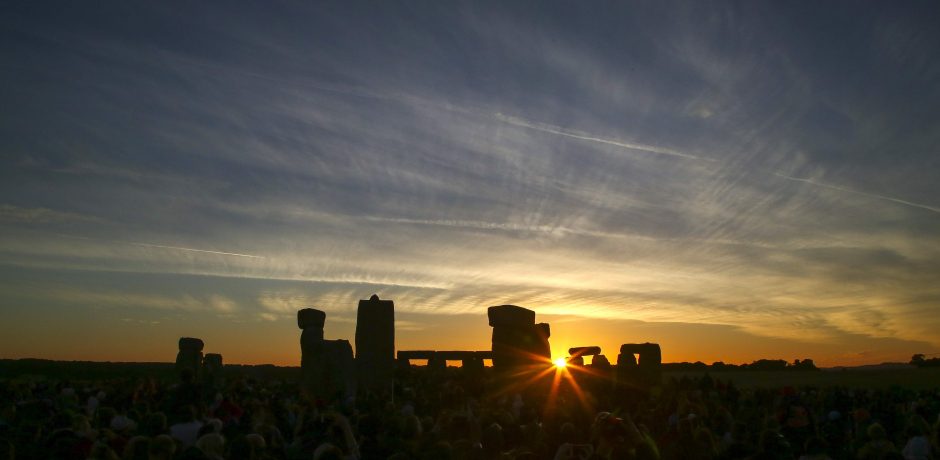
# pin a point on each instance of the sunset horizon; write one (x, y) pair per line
(470, 332)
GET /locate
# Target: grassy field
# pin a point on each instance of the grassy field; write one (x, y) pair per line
(874, 378)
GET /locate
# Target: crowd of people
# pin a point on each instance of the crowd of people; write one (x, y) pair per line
(451, 416)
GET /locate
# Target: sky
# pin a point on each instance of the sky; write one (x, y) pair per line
(732, 180)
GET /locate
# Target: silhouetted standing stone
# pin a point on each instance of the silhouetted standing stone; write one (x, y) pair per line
(189, 356)
(542, 332)
(545, 331)
(345, 364)
(647, 372)
(470, 361)
(626, 360)
(191, 344)
(517, 341)
(375, 345)
(600, 362)
(313, 320)
(312, 350)
(437, 363)
(603, 372)
(473, 365)
(510, 315)
(575, 361)
(333, 375)
(326, 366)
(212, 369)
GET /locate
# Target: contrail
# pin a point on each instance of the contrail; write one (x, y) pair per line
(870, 195)
(587, 137)
(148, 245)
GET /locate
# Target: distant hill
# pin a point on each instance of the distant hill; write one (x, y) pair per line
(872, 367)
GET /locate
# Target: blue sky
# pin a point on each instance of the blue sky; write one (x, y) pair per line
(759, 172)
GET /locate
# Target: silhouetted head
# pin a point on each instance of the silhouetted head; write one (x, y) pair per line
(154, 424)
(327, 451)
(256, 441)
(137, 448)
(772, 441)
(411, 427)
(192, 453)
(493, 438)
(162, 447)
(103, 417)
(439, 451)
(917, 426)
(815, 446)
(568, 433)
(7, 452)
(369, 426)
(876, 432)
(7, 411)
(212, 445)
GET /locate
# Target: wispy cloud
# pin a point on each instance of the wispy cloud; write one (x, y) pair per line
(133, 300)
(16, 214)
(857, 192)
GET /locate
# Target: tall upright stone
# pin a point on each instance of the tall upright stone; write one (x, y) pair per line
(311, 322)
(189, 357)
(336, 371)
(326, 366)
(375, 345)
(212, 369)
(518, 342)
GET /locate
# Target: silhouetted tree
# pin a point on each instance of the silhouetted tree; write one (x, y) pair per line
(920, 360)
(804, 365)
(768, 365)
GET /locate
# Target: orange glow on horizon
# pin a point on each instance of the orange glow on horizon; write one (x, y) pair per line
(276, 342)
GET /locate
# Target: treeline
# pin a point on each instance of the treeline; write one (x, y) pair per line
(92, 370)
(920, 360)
(759, 365)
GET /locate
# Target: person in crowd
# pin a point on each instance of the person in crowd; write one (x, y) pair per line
(448, 417)
(878, 445)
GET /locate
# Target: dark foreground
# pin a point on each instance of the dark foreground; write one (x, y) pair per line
(258, 415)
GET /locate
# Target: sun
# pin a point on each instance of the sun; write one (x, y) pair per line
(560, 362)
